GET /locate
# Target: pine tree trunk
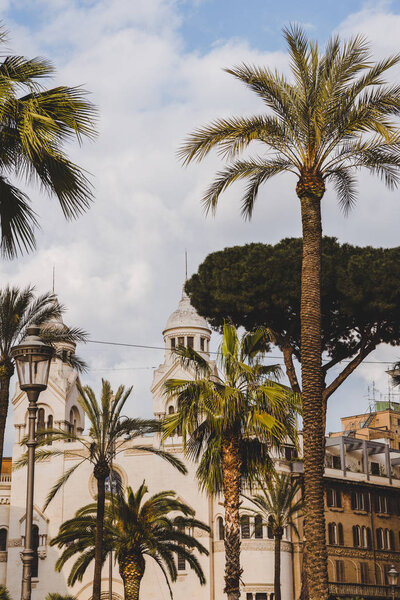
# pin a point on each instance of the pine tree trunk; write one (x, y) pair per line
(232, 467)
(277, 568)
(310, 190)
(131, 569)
(6, 372)
(98, 556)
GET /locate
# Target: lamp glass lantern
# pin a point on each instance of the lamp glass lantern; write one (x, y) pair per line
(393, 576)
(32, 358)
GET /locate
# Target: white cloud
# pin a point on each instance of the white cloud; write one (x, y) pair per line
(120, 267)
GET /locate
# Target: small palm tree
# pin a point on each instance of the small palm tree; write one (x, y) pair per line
(230, 420)
(35, 125)
(279, 504)
(57, 596)
(99, 448)
(20, 308)
(135, 529)
(334, 116)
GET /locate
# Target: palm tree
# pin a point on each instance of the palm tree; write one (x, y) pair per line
(230, 420)
(135, 529)
(333, 117)
(20, 308)
(104, 441)
(36, 122)
(279, 504)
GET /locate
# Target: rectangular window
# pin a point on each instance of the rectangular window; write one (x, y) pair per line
(181, 341)
(375, 468)
(364, 572)
(333, 498)
(172, 343)
(261, 596)
(249, 596)
(381, 504)
(339, 571)
(190, 342)
(336, 462)
(202, 344)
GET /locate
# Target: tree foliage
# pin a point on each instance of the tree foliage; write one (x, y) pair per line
(259, 284)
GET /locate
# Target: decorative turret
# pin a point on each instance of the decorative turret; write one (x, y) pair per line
(185, 327)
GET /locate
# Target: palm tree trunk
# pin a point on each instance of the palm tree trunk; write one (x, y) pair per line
(131, 569)
(6, 372)
(98, 562)
(232, 467)
(310, 190)
(277, 568)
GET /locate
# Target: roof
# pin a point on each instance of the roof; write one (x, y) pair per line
(185, 316)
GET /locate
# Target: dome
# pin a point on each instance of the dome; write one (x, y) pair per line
(185, 316)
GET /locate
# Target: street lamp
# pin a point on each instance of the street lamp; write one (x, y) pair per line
(393, 577)
(32, 358)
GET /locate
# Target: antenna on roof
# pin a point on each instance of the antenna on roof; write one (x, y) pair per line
(185, 265)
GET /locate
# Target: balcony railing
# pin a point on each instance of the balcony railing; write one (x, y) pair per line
(362, 590)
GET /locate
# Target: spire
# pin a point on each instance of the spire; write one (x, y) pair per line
(54, 278)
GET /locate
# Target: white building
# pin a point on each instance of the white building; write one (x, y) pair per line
(58, 406)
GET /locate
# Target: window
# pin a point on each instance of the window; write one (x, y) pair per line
(249, 596)
(181, 563)
(381, 504)
(172, 343)
(115, 484)
(356, 536)
(181, 341)
(245, 527)
(40, 419)
(332, 533)
(35, 546)
(389, 539)
(364, 573)
(190, 342)
(202, 344)
(336, 462)
(375, 468)
(339, 568)
(3, 540)
(380, 540)
(221, 528)
(335, 534)
(261, 596)
(359, 501)
(290, 452)
(258, 527)
(333, 498)
(270, 532)
(49, 426)
(366, 538)
(171, 410)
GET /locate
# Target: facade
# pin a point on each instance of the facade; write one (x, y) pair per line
(58, 405)
(362, 499)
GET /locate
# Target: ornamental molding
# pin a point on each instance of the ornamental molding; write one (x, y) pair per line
(14, 543)
(3, 557)
(363, 553)
(4, 500)
(255, 546)
(257, 588)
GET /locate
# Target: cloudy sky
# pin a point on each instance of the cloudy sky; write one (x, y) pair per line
(154, 69)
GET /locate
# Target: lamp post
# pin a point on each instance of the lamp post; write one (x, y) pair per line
(393, 577)
(32, 358)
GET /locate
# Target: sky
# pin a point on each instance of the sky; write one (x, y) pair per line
(155, 70)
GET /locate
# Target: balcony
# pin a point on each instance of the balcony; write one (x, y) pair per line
(370, 592)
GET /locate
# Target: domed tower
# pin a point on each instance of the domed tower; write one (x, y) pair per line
(185, 327)
(58, 405)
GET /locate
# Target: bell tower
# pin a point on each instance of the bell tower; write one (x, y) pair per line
(185, 327)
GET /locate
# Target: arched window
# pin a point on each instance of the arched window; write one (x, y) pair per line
(380, 543)
(391, 540)
(356, 536)
(258, 527)
(114, 483)
(171, 410)
(369, 538)
(340, 539)
(3, 539)
(332, 533)
(35, 546)
(40, 419)
(221, 528)
(270, 531)
(172, 343)
(245, 526)
(49, 426)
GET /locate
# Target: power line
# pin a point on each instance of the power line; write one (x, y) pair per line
(126, 345)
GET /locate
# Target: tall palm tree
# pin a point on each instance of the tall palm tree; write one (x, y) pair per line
(105, 440)
(230, 420)
(20, 308)
(335, 115)
(36, 123)
(135, 529)
(278, 502)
